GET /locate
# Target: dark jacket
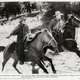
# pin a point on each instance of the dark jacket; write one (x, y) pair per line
(21, 30)
(56, 28)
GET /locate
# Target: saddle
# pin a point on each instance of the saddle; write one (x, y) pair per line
(30, 38)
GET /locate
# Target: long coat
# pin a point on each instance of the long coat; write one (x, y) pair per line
(21, 30)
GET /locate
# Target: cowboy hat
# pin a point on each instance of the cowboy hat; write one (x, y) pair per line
(58, 13)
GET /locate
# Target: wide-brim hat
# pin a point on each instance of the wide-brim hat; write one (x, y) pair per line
(58, 13)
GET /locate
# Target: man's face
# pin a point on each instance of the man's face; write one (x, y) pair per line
(23, 22)
(58, 17)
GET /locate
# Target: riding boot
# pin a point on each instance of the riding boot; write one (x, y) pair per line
(20, 52)
(22, 59)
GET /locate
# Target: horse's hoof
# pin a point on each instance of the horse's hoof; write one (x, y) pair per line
(54, 71)
(20, 73)
(46, 72)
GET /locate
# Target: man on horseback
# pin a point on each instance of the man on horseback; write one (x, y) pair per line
(56, 26)
(21, 30)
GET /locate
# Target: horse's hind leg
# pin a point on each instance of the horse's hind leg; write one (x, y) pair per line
(77, 52)
(5, 59)
(41, 66)
(52, 66)
(15, 64)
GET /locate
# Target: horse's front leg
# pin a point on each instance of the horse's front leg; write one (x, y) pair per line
(41, 65)
(52, 66)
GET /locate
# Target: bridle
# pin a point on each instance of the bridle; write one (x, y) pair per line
(49, 42)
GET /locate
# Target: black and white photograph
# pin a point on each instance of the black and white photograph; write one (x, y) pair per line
(40, 37)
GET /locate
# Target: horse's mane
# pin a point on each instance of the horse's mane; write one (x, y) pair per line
(37, 34)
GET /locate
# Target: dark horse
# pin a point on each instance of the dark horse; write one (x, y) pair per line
(33, 52)
(68, 37)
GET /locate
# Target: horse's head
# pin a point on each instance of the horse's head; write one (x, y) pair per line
(74, 21)
(48, 39)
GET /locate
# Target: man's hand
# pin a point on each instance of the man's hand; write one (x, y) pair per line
(8, 37)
